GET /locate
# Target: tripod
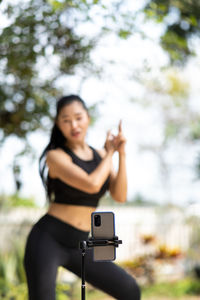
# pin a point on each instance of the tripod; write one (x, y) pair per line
(94, 243)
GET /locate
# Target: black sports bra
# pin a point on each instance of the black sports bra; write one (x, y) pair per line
(66, 194)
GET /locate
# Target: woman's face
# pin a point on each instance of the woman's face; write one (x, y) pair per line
(73, 121)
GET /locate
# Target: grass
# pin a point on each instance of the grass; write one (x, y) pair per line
(186, 289)
(177, 289)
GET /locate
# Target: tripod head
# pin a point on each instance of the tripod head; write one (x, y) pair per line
(92, 242)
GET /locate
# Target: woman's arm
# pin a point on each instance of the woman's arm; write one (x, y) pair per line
(118, 181)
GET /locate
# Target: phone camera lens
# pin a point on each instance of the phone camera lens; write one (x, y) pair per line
(97, 220)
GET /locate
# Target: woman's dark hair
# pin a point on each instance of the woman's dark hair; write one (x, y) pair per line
(57, 140)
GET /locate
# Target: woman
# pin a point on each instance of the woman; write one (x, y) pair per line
(77, 177)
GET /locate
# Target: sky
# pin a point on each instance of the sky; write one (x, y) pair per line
(141, 125)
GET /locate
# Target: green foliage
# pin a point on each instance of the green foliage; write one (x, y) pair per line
(177, 289)
(124, 34)
(14, 291)
(11, 265)
(36, 35)
(39, 32)
(181, 20)
(42, 43)
(176, 46)
(10, 291)
(176, 87)
(173, 100)
(15, 200)
(62, 291)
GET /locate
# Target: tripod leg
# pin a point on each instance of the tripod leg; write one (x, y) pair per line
(83, 275)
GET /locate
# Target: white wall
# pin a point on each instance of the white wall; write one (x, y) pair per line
(131, 223)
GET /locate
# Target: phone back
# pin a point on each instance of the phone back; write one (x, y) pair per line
(103, 227)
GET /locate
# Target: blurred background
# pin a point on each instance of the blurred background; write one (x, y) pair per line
(138, 61)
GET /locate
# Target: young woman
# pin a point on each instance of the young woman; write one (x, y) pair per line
(76, 176)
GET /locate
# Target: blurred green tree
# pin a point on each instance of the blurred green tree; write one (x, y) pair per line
(36, 35)
(181, 20)
(44, 41)
(170, 95)
(180, 38)
(41, 42)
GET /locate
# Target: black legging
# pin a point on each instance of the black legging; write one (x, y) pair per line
(52, 243)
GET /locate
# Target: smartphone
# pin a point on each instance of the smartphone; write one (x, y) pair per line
(103, 227)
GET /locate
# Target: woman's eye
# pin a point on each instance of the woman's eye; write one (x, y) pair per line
(66, 121)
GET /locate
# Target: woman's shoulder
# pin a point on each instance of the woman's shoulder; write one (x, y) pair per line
(55, 154)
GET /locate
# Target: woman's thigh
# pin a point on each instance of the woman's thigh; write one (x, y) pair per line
(43, 255)
(105, 276)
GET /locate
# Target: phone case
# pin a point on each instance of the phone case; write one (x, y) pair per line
(103, 227)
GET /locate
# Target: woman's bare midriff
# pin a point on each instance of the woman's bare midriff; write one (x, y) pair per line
(75, 215)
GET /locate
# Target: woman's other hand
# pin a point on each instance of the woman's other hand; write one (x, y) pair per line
(110, 142)
(120, 140)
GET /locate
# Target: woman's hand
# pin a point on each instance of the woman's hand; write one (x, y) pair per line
(110, 142)
(116, 143)
(120, 140)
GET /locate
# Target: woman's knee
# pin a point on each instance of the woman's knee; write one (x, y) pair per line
(132, 290)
